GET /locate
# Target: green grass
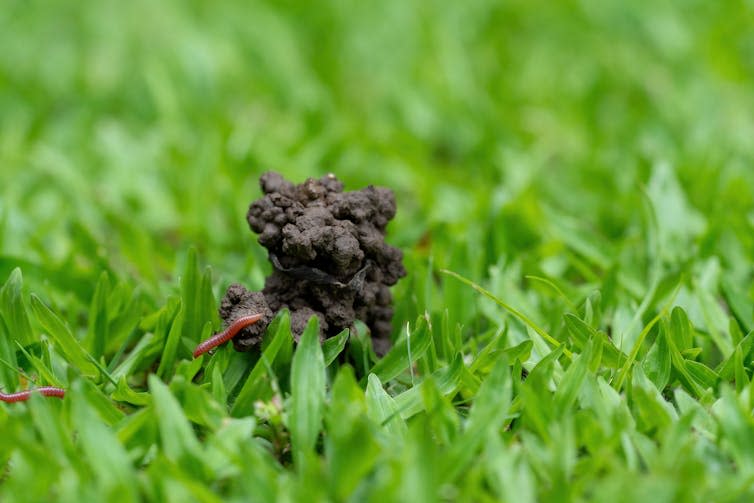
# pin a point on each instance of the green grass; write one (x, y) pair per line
(576, 205)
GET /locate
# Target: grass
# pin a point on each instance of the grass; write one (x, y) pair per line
(576, 207)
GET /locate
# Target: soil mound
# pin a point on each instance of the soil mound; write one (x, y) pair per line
(329, 257)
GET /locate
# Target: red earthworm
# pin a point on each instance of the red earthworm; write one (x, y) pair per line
(24, 395)
(227, 334)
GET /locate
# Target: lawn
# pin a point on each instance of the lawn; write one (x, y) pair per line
(575, 188)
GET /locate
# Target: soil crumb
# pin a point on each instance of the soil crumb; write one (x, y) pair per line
(329, 259)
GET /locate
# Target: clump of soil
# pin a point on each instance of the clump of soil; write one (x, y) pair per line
(329, 258)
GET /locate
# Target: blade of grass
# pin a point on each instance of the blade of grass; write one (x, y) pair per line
(333, 346)
(640, 340)
(97, 334)
(489, 412)
(244, 402)
(307, 393)
(515, 312)
(177, 437)
(383, 409)
(63, 337)
(13, 309)
(405, 352)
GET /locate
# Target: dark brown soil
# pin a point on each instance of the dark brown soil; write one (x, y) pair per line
(329, 258)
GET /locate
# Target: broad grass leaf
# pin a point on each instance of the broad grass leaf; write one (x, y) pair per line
(151, 345)
(734, 329)
(488, 413)
(147, 349)
(537, 407)
(260, 477)
(124, 393)
(280, 333)
(351, 447)
(307, 392)
(98, 333)
(736, 428)
(235, 368)
(138, 431)
(489, 356)
(8, 373)
(569, 386)
(175, 483)
(197, 298)
(170, 351)
(218, 386)
(198, 404)
(678, 361)
(63, 337)
(447, 380)
(405, 353)
(715, 319)
(520, 352)
(704, 422)
(450, 343)
(13, 309)
(581, 333)
(108, 412)
(702, 374)
(595, 355)
(739, 301)
(177, 438)
(639, 342)
(509, 473)
(126, 305)
(651, 408)
(680, 330)
(189, 368)
(742, 377)
(42, 366)
(50, 432)
(657, 364)
(513, 311)
(441, 418)
(190, 288)
(420, 480)
(470, 381)
(103, 452)
(727, 369)
(383, 409)
(333, 346)
(360, 348)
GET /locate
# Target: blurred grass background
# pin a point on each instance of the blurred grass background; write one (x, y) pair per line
(605, 146)
(140, 128)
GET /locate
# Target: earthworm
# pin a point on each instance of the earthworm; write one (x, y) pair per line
(227, 334)
(24, 395)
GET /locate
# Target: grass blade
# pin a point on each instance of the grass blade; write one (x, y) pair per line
(515, 312)
(251, 390)
(176, 435)
(13, 309)
(333, 346)
(489, 412)
(170, 352)
(399, 358)
(308, 392)
(63, 337)
(383, 409)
